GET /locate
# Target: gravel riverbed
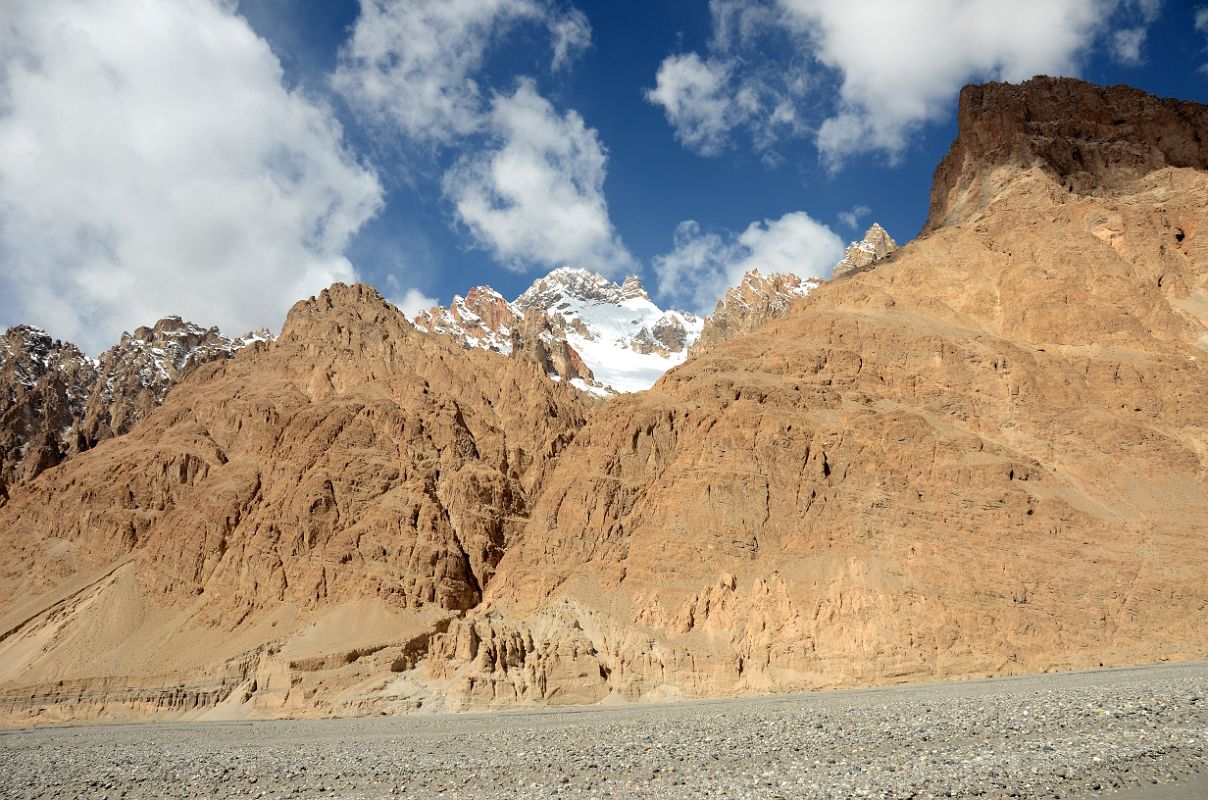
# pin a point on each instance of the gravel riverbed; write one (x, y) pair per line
(1136, 733)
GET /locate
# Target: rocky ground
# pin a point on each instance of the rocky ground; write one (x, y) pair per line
(1125, 733)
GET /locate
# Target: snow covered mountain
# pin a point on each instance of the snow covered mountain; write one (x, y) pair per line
(58, 401)
(608, 338)
(603, 337)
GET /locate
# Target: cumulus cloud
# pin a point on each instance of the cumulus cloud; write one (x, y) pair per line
(894, 66)
(414, 301)
(887, 89)
(696, 97)
(701, 266)
(412, 67)
(535, 196)
(151, 162)
(707, 100)
(851, 218)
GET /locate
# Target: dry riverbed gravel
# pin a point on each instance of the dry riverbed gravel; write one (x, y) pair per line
(1128, 733)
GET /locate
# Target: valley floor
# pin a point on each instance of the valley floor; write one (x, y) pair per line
(1134, 734)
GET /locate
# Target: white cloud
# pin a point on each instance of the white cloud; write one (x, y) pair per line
(851, 218)
(740, 23)
(414, 301)
(536, 197)
(412, 67)
(707, 100)
(696, 96)
(1127, 44)
(1200, 20)
(571, 34)
(898, 64)
(901, 64)
(1149, 10)
(702, 266)
(151, 162)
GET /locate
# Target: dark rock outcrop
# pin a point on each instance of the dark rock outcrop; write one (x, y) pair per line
(1087, 138)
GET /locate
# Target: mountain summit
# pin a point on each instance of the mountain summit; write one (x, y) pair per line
(602, 337)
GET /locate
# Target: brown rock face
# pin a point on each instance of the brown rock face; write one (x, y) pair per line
(985, 456)
(988, 455)
(353, 461)
(137, 373)
(1086, 139)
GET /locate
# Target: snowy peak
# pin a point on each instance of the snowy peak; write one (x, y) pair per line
(582, 327)
(599, 310)
(633, 289)
(60, 401)
(875, 246)
(28, 354)
(571, 284)
(606, 337)
(483, 319)
(154, 357)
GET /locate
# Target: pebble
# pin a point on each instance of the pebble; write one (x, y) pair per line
(1065, 736)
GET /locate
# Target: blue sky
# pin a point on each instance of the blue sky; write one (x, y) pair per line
(222, 159)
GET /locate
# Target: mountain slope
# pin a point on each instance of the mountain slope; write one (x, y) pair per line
(987, 454)
(352, 484)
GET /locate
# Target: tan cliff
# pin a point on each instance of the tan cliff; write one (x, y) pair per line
(355, 466)
(985, 455)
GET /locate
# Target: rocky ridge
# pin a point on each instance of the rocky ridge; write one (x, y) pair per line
(354, 478)
(759, 299)
(61, 401)
(602, 337)
(46, 384)
(577, 323)
(1118, 135)
(484, 319)
(984, 456)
